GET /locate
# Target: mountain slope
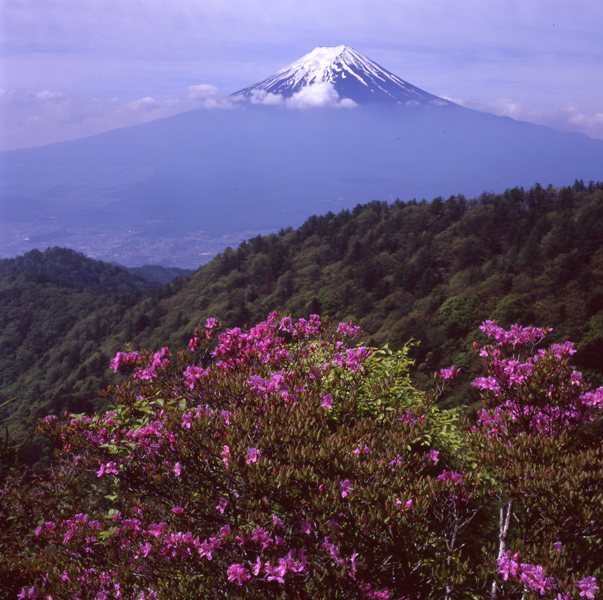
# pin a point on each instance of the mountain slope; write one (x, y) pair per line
(66, 268)
(352, 75)
(57, 309)
(252, 169)
(427, 271)
(178, 190)
(158, 274)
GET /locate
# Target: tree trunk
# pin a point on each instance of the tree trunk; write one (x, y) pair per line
(504, 520)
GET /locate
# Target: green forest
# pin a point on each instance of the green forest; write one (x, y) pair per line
(383, 403)
(425, 272)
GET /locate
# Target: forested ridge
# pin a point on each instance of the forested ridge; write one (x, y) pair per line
(57, 306)
(426, 271)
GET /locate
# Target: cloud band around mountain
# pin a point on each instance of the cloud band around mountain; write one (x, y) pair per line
(319, 95)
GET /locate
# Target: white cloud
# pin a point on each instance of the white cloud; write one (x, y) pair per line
(314, 96)
(209, 96)
(43, 116)
(49, 95)
(585, 120)
(148, 104)
(347, 103)
(266, 98)
(33, 118)
(319, 95)
(565, 118)
(201, 91)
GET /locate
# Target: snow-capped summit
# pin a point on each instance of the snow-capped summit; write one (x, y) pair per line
(353, 76)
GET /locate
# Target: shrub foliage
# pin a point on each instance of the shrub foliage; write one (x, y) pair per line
(288, 460)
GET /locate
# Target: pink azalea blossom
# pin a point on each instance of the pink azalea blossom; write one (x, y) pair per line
(348, 329)
(346, 488)
(261, 536)
(275, 573)
(508, 565)
(516, 335)
(211, 324)
(157, 529)
(257, 567)
(379, 594)
(122, 359)
(593, 399)
(588, 587)
(286, 324)
(192, 374)
(305, 527)
(253, 455)
(449, 372)
(487, 383)
(277, 522)
(27, 592)
(434, 456)
(238, 574)
(109, 468)
(395, 462)
(225, 531)
(225, 454)
(194, 342)
(451, 476)
(327, 402)
(177, 469)
(159, 361)
(534, 577)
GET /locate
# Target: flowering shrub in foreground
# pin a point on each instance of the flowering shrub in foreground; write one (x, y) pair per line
(286, 460)
(547, 471)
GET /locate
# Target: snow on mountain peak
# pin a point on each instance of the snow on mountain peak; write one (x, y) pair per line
(354, 78)
(318, 61)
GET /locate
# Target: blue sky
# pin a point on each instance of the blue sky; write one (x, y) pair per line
(74, 67)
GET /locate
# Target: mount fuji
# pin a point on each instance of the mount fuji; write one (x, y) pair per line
(329, 131)
(354, 77)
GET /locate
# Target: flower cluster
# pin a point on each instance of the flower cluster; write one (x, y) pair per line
(122, 359)
(538, 393)
(281, 459)
(159, 361)
(533, 577)
(449, 372)
(516, 335)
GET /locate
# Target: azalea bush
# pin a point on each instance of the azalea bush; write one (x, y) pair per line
(539, 438)
(289, 460)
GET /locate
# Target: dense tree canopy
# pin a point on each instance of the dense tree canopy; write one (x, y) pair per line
(426, 271)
